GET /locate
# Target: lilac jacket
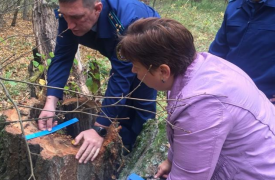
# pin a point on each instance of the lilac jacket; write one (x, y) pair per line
(231, 124)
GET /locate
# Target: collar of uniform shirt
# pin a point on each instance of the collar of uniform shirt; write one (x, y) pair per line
(257, 1)
(94, 27)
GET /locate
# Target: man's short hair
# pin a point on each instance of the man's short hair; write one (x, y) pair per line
(86, 3)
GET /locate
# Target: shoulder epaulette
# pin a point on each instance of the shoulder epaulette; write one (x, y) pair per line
(57, 13)
(115, 22)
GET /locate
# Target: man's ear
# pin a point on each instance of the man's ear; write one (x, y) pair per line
(165, 72)
(98, 7)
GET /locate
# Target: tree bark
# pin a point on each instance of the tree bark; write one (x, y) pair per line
(2, 22)
(154, 3)
(15, 14)
(45, 27)
(146, 1)
(25, 10)
(87, 120)
(79, 74)
(53, 156)
(149, 151)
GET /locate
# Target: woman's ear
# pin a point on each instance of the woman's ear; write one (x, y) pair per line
(165, 72)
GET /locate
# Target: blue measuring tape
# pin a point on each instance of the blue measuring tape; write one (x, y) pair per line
(134, 176)
(54, 129)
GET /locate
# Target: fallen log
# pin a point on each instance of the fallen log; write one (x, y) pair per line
(53, 156)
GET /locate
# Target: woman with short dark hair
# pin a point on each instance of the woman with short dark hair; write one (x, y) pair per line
(220, 126)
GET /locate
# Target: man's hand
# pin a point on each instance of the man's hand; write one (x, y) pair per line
(164, 169)
(50, 107)
(90, 146)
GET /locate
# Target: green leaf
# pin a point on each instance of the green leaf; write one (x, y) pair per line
(66, 88)
(89, 83)
(8, 75)
(73, 83)
(96, 76)
(11, 83)
(35, 76)
(35, 63)
(37, 54)
(75, 62)
(92, 66)
(49, 62)
(94, 88)
(51, 54)
(2, 40)
(41, 68)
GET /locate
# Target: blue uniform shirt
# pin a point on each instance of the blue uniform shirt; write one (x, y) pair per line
(247, 39)
(105, 40)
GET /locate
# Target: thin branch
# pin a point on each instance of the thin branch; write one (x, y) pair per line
(22, 128)
(7, 59)
(134, 88)
(96, 115)
(91, 96)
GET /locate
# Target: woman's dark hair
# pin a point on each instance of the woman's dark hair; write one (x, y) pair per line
(155, 41)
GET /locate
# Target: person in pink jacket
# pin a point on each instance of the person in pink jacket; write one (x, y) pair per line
(220, 126)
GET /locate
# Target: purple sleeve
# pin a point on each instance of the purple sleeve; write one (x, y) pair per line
(195, 154)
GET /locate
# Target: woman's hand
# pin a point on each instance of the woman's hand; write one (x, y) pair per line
(164, 169)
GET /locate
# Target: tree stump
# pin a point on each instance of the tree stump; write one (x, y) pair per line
(53, 156)
(149, 151)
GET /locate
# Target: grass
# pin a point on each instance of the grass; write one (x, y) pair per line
(202, 19)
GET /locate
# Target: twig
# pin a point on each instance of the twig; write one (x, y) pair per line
(67, 111)
(22, 128)
(91, 96)
(134, 88)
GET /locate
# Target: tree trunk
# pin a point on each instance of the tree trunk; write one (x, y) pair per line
(78, 72)
(25, 10)
(154, 3)
(53, 156)
(149, 151)
(15, 14)
(87, 120)
(2, 22)
(146, 1)
(45, 27)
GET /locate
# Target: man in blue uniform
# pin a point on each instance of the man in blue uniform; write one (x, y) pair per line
(95, 24)
(247, 39)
